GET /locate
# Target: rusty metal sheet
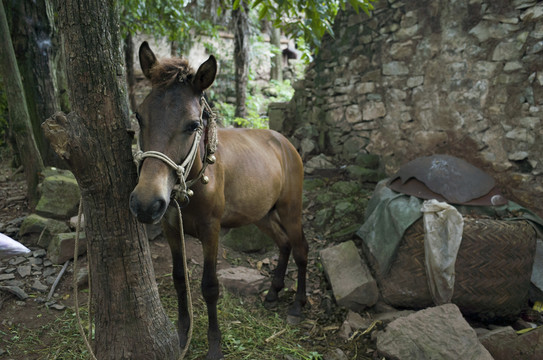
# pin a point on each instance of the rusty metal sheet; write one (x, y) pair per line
(446, 178)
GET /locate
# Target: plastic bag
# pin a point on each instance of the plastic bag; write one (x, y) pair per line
(10, 247)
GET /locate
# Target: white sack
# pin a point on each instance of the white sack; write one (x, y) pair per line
(443, 226)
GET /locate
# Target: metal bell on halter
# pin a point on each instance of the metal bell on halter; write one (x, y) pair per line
(210, 159)
(205, 179)
(190, 193)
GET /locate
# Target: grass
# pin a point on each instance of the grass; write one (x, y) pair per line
(249, 331)
(58, 339)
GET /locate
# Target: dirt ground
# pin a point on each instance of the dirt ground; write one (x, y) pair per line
(320, 310)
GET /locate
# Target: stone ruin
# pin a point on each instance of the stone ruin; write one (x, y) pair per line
(417, 78)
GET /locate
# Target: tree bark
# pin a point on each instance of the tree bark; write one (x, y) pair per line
(241, 56)
(34, 42)
(130, 78)
(130, 322)
(20, 125)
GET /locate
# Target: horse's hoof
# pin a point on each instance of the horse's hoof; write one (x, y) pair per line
(270, 305)
(294, 320)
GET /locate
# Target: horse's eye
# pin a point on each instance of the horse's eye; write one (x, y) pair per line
(193, 126)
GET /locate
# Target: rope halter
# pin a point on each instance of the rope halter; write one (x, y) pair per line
(181, 191)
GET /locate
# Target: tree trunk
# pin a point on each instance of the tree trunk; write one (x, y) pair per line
(33, 39)
(130, 322)
(276, 72)
(241, 56)
(18, 112)
(130, 78)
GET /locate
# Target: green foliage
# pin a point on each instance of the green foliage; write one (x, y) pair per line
(307, 20)
(257, 103)
(172, 19)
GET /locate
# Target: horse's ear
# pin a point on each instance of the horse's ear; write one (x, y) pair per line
(147, 59)
(206, 74)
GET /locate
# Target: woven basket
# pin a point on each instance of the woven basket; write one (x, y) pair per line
(493, 269)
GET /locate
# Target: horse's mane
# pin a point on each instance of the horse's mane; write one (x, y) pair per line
(167, 71)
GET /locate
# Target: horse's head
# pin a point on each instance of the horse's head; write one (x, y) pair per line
(169, 119)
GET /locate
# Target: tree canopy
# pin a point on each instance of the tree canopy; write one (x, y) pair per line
(306, 21)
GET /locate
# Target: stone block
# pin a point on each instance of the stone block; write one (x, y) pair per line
(62, 247)
(434, 333)
(59, 197)
(277, 115)
(241, 280)
(505, 344)
(351, 281)
(35, 224)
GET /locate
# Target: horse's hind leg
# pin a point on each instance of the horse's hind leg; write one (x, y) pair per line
(288, 236)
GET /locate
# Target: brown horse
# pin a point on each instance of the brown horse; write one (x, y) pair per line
(257, 178)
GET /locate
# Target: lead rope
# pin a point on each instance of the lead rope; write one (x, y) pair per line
(187, 279)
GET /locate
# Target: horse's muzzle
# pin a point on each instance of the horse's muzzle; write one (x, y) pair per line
(149, 212)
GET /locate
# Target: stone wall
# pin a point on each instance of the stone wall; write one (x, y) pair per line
(421, 77)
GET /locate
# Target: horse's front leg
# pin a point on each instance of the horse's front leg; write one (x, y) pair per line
(209, 236)
(171, 231)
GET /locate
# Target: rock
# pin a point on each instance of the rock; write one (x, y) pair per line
(16, 261)
(24, 270)
(49, 271)
(345, 330)
(334, 354)
(532, 14)
(395, 68)
(62, 246)
(241, 280)
(505, 344)
(434, 333)
(247, 239)
(357, 322)
(306, 147)
(60, 197)
(7, 277)
(349, 276)
(73, 222)
(58, 307)
(35, 224)
(276, 115)
(373, 110)
(38, 286)
(390, 316)
(15, 290)
(83, 277)
(39, 253)
(320, 161)
(537, 270)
